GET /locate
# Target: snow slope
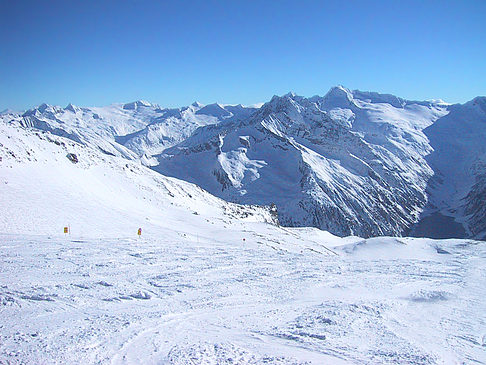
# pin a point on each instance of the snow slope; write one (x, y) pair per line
(350, 162)
(215, 300)
(209, 282)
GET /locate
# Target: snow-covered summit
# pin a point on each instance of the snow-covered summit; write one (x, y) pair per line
(337, 96)
(43, 108)
(138, 104)
(72, 108)
(9, 111)
(215, 110)
(197, 104)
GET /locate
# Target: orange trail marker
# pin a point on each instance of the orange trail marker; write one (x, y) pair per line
(66, 230)
(139, 232)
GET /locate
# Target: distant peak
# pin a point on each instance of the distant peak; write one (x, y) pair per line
(215, 110)
(437, 101)
(374, 97)
(136, 104)
(8, 111)
(143, 103)
(337, 96)
(478, 102)
(197, 104)
(479, 99)
(216, 105)
(256, 105)
(43, 107)
(339, 87)
(73, 108)
(289, 102)
(339, 91)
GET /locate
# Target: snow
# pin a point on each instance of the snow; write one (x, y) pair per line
(209, 281)
(168, 298)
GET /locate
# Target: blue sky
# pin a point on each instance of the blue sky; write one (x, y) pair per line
(175, 52)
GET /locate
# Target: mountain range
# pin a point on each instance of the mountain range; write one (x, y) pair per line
(349, 162)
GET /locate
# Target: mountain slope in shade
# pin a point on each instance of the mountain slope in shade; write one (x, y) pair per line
(457, 190)
(350, 162)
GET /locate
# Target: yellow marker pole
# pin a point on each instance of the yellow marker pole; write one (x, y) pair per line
(66, 230)
(139, 232)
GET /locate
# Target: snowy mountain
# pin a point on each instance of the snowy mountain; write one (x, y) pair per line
(208, 281)
(351, 162)
(129, 130)
(174, 125)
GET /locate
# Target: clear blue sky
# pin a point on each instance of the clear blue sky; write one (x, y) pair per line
(174, 52)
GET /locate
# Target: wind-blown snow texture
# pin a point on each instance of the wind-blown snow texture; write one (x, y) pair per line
(209, 282)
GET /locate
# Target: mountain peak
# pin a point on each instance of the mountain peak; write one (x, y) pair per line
(43, 107)
(215, 110)
(8, 111)
(339, 92)
(197, 104)
(337, 96)
(137, 104)
(72, 108)
(374, 97)
(478, 102)
(290, 94)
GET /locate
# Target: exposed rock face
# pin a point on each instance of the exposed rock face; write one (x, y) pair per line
(72, 157)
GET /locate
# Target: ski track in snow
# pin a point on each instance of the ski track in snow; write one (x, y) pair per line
(224, 301)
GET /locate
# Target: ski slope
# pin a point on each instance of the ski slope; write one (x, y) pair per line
(209, 282)
(213, 299)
